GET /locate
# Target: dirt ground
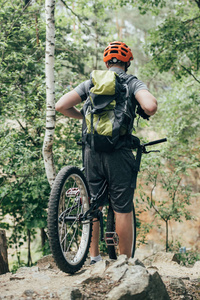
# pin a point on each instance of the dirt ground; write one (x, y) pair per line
(46, 281)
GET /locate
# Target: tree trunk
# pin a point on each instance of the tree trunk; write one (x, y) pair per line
(43, 238)
(50, 91)
(29, 263)
(167, 244)
(3, 253)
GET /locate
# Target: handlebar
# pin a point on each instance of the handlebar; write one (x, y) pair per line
(154, 142)
(141, 146)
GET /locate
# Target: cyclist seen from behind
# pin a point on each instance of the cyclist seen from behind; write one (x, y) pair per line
(118, 166)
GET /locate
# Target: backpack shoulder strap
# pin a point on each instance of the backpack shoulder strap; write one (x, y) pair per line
(127, 78)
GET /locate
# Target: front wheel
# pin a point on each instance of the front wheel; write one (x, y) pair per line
(113, 251)
(69, 236)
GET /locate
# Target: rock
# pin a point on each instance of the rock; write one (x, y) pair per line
(166, 257)
(99, 268)
(157, 289)
(16, 277)
(177, 285)
(47, 262)
(29, 293)
(118, 268)
(76, 294)
(135, 262)
(197, 265)
(94, 273)
(139, 284)
(152, 268)
(70, 294)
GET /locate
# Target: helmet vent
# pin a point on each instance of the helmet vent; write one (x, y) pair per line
(125, 50)
(115, 44)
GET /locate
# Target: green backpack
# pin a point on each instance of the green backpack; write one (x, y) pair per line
(108, 111)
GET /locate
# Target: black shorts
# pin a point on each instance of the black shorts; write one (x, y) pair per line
(119, 169)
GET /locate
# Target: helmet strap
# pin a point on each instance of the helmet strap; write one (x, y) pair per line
(127, 65)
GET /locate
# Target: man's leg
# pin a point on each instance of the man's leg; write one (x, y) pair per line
(124, 229)
(94, 245)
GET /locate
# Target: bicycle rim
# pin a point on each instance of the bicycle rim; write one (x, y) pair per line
(69, 236)
(113, 251)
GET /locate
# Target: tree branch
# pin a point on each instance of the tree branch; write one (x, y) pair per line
(157, 211)
(75, 14)
(174, 195)
(189, 72)
(191, 20)
(26, 131)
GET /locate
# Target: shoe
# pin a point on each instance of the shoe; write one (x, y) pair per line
(93, 262)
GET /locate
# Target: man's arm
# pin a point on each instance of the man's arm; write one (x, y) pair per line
(66, 105)
(147, 102)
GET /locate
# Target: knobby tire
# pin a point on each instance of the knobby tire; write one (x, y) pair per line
(69, 237)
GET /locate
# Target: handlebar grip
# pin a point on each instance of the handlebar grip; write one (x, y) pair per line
(155, 142)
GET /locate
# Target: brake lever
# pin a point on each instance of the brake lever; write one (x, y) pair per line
(146, 152)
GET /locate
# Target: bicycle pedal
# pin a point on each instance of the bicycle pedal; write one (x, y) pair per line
(111, 239)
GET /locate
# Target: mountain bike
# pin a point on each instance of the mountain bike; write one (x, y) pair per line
(71, 213)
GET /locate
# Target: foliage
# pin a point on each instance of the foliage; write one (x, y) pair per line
(82, 30)
(189, 258)
(174, 43)
(24, 188)
(23, 185)
(186, 258)
(167, 172)
(181, 104)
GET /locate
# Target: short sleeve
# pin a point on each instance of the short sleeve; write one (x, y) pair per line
(137, 85)
(83, 89)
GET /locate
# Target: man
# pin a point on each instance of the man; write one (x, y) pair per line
(118, 167)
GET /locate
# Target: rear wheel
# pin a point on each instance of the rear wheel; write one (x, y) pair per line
(113, 251)
(69, 236)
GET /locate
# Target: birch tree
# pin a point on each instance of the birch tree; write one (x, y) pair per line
(50, 91)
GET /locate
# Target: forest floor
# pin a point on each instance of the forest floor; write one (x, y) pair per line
(46, 281)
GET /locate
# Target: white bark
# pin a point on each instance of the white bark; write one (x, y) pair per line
(50, 91)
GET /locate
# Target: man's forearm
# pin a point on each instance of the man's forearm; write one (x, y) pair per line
(150, 112)
(71, 113)
(66, 105)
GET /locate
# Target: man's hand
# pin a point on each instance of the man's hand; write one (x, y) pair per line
(141, 113)
(147, 102)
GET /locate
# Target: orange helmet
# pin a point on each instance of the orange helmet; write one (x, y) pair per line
(119, 51)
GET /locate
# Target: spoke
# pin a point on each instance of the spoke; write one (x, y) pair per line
(72, 238)
(63, 227)
(64, 207)
(66, 234)
(68, 231)
(72, 232)
(75, 229)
